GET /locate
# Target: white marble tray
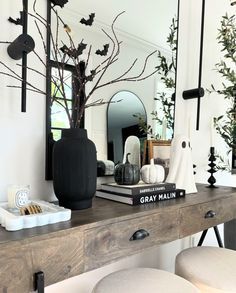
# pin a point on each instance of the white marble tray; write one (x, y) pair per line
(11, 219)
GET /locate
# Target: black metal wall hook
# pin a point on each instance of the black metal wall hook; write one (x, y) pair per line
(39, 282)
(193, 93)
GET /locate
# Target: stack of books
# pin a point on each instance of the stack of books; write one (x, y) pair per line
(140, 193)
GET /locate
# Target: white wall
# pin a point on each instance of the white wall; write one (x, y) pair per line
(211, 105)
(23, 135)
(22, 146)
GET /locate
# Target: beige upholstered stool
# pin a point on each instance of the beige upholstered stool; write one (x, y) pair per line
(143, 280)
(211, 269)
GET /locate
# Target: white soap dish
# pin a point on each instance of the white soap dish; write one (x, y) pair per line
(11, 219)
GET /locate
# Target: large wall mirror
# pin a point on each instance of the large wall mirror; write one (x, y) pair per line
(143, 28)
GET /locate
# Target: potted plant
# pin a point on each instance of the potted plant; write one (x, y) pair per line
(225, 124)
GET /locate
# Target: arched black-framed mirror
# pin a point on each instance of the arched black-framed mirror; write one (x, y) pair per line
(121, 122)
(147, 25)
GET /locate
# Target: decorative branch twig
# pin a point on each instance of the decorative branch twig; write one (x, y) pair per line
(71, 54)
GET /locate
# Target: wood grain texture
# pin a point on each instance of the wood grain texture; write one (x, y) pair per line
(59, 257)
(107, 212)
(192, 218)
(108, 243)
(15, 263)
(100, 235)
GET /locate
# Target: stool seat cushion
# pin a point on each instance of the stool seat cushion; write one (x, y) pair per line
(143, 280)
(211, 269)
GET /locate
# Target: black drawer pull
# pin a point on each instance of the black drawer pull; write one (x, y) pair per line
(210, 214)
(139, 235)
(39, 282)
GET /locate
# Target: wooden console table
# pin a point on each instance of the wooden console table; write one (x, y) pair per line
(101, 235)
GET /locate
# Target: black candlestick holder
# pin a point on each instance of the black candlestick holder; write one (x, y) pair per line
(211, 180)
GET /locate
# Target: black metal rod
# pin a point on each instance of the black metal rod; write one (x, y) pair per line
(23, 83)
(24, 58)
(200, 63)
(217, 233)
(202, 237)
(220, 242)
(176, 62)
(48, 157)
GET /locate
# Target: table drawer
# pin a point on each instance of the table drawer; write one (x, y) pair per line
(199, 217)
(59, 257)
(110, 242)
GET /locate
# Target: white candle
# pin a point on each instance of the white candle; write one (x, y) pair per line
(18, 196)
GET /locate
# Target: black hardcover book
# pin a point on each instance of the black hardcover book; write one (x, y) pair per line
(137, 189)
(142, 198)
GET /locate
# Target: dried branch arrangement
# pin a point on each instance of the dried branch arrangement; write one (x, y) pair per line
(71, 53)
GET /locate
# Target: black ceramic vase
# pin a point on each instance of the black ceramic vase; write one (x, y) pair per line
(74, 169)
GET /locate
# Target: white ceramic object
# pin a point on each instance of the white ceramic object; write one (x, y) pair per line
(13, 221)
(152, 173)
(18, 196)
(132, 146)
(181, 164)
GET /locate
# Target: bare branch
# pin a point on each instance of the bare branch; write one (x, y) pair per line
(100, 102)
(41, 36)
(42, 19)
(32, 69)
(133, 78)
(11, 75)
(28, 89)
(80, 77)
(15, 75)
(128, 70)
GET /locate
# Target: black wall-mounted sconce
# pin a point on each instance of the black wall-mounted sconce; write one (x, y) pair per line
(20, 47)
(22, 44)
(199, 91)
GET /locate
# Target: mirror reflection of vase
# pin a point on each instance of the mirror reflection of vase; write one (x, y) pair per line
(121, 123)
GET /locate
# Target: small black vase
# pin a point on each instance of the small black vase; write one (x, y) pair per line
(74, 169)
